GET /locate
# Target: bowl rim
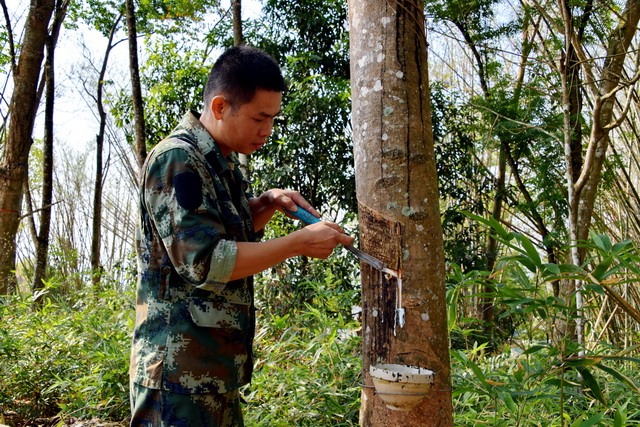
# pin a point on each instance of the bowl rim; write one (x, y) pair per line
(402, 373)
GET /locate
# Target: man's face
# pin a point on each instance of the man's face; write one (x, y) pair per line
(247, 128)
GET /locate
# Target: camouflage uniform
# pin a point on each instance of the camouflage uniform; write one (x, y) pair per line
(194, 329)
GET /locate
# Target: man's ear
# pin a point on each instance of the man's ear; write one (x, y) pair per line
(218, 105)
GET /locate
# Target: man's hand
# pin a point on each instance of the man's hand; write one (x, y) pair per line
(287, 199)
(318, 240)
(264, 207)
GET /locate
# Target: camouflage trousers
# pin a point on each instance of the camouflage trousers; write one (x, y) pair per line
(157, 408)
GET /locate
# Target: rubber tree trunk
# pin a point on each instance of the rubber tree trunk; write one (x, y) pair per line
(396, 186)
(15, 154)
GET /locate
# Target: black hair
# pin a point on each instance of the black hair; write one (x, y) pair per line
(239, 72)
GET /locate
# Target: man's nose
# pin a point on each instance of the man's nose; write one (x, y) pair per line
(267, 130)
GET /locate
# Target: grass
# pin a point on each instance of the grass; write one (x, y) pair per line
(68, 356)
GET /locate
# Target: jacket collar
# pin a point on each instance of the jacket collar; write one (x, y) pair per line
(207, 145)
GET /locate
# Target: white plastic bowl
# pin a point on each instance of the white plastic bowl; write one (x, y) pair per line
(401, 387)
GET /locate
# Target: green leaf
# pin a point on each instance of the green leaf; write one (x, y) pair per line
(592, 384)
(492, 223)
(627, 358)
(531, 250)
(551, 269)
(497, 227)
(582, 361)
(509, 403)
(620, 376)
(593, 420)
(577, 422)
(569, 268)
(458, 391)
(526, 261)
(601, 270)
(618, 420)
(620, 246)
(478, 373)
(601, 240)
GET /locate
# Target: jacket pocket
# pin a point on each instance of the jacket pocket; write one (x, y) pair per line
(218, 314)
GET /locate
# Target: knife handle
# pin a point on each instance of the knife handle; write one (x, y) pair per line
(304, 216)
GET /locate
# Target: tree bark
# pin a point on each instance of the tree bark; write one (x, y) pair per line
(136, 87)
(238, 39)
(582, 185)
(15, 155)
(42, 249)
(586, 185)
(96, 224)
(396, 185)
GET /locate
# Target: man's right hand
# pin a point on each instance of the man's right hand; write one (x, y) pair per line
(320, 239)
(316, 240)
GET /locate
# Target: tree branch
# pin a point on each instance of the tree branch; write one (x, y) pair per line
(12, 49)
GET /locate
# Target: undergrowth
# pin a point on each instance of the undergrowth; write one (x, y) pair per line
(67, 356)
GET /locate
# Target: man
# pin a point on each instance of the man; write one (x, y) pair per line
(198, 249)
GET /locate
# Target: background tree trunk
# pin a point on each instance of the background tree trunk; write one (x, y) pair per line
(582, 185)
(238, 39)
(136, 88)
(15, 154)
(42, 250)
(98, 183)
(396, 185)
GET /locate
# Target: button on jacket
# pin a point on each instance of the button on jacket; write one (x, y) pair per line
(194, 329)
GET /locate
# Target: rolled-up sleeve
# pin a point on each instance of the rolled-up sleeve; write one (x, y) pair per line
(223, 261)
(191, 229)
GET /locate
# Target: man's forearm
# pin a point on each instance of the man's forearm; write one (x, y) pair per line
(262, 211)
(316, 240)
(254, 257)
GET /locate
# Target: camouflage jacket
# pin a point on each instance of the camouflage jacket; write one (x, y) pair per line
(194, 329)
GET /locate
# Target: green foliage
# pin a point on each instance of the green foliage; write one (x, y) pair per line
(315, 36)
(65, 356)
(308, 365)
(538, 376)
(69, 355)
(152, 16)
(310, 41)
(100, 15)
(531, 387)
(313, 136)
(463, 185)
(174, 79)
(178, 10)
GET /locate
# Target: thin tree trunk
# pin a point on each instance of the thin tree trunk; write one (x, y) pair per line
(582, 185)
(136, 87)
(403, 320)
(42, 249)
(15, 154)
(486, 301)
(238, 39)
(96, 223)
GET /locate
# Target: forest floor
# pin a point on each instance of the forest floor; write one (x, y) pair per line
(12, 420)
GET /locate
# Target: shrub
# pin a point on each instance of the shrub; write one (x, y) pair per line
(63, 358)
